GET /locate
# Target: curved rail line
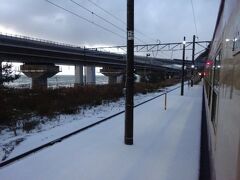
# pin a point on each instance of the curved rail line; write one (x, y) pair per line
(16, 158)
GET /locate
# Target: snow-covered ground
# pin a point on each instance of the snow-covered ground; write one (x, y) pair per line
(166, 146)
(48, 130)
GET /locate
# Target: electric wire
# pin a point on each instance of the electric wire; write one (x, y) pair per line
(107, 21)
(85, 19)
(107, 12)
(100, 17)
(118, 19)
(92, 22)
(194, 18)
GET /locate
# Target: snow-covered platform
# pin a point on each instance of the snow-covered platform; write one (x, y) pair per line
(166, 146)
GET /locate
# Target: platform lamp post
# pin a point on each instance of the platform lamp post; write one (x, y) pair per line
(193, 59)
(183, 66)
(128, 138)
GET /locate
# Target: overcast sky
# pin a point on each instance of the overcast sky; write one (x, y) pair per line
(166, 20)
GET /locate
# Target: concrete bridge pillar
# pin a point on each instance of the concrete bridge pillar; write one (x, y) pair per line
(90, 77)
(78, 75)
(114, 75)
(39, 73)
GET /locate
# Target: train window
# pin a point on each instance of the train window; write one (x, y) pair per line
(208, 91)
(214, 109)
(209, 80)
(217, 67)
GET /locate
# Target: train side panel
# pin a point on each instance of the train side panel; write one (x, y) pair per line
(222, 87)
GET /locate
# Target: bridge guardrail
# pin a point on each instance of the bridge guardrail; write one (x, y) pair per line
(37, 39)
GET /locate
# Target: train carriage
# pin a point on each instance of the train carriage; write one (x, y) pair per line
(222, 94)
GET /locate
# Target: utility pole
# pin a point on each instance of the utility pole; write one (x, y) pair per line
(1, 83)
(183, 66)
(128, 138)
(193, 58)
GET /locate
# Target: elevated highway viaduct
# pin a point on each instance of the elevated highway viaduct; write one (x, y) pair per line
(40, 56)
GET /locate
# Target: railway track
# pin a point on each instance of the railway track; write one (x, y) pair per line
(21, 156)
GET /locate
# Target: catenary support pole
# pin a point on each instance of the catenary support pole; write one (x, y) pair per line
(165, 101)
(183, 66)
(193, 58)
(128, 138)
(1, 81)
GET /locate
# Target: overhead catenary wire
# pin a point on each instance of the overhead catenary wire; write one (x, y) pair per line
(85, 19)
(194, 18)
(100, 17)
(119, 19)
(104, 19)
(107, 12)
(92, 22)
